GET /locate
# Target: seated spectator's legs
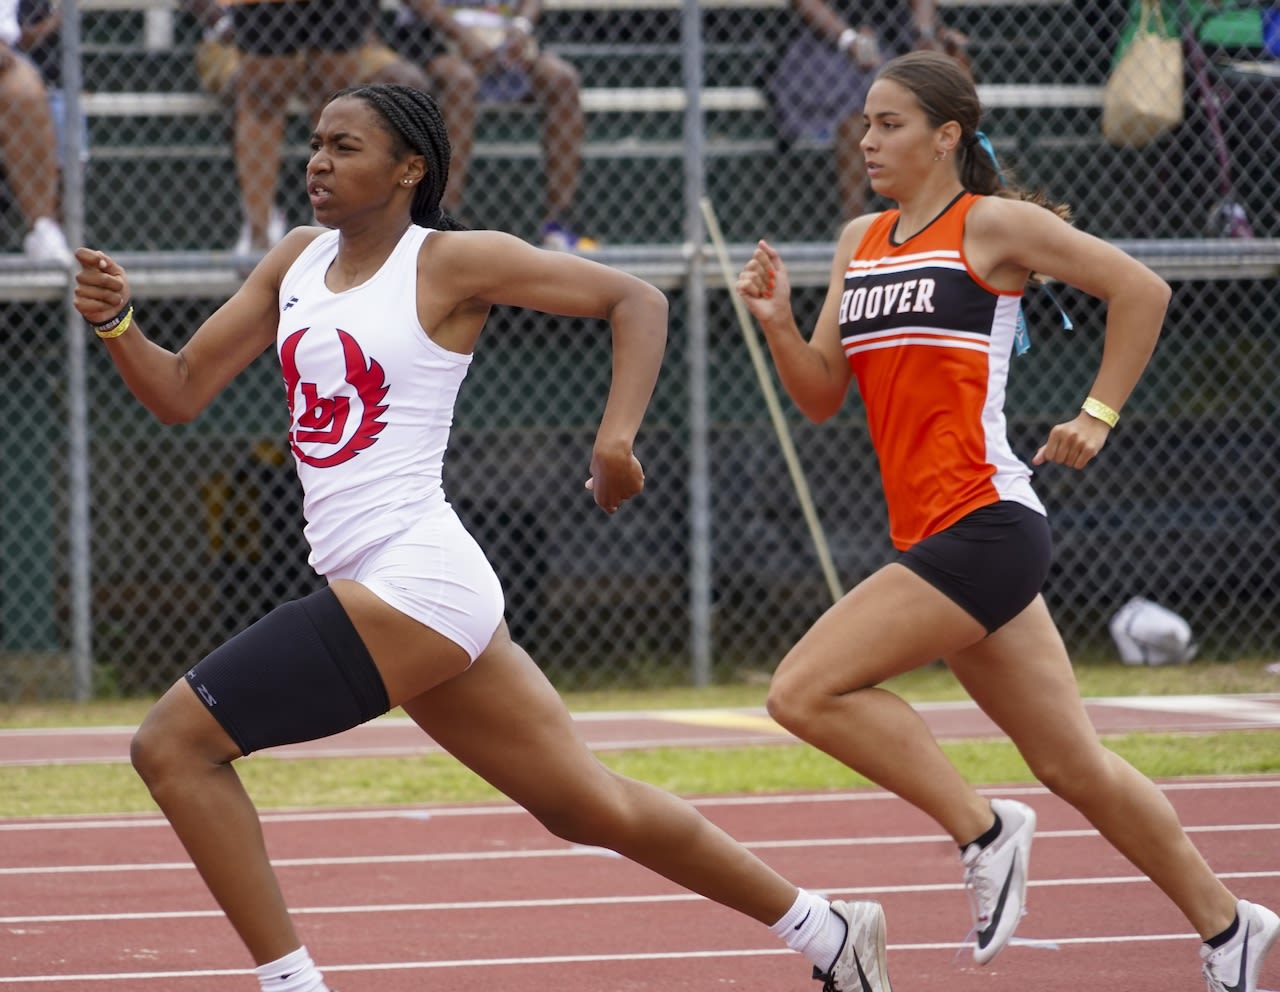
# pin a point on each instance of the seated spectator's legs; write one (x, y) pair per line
(1250, 113)
(383, 65)
(468, 63)
(557, 88)
(324, 73)
(267, 35)
(328, 37)
(263, 88)
(456, 88)
(851, 170)
(28, 145)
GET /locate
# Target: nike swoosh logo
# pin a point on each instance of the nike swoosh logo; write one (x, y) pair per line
(985, 935)
(822, 976)
(828, 977)
(1244, 964)
(862, 975)
(804, 921)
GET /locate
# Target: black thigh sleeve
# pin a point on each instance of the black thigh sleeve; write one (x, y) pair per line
(298, 674)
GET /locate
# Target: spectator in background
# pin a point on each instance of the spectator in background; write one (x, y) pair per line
(476, 52)
(28, 145)
(818, 87)
(40, 24)
(269, 36)
(219, 61)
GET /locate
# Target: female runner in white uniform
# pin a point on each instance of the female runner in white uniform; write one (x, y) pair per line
(375, 321)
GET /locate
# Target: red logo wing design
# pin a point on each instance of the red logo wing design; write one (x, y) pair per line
(324, 420)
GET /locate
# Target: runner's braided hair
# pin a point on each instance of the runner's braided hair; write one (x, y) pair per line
(413, 120)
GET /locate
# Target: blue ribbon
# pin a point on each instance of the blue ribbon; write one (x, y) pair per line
(1021, 336)
(985, 143)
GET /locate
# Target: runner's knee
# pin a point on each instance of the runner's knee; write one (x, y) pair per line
(1072, 773)
(792, 698)
(171, 742)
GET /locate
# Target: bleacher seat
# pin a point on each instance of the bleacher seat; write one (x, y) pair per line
(632, 92)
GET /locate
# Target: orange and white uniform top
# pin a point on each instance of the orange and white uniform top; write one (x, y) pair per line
(930, 343)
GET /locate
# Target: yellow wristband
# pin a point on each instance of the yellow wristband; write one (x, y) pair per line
(1100, 411)
(118, 329)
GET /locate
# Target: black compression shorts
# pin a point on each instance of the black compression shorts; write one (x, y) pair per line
(298, 674)
(991, 562)
(283, 28)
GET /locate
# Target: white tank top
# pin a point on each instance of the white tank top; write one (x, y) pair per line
(370, 397)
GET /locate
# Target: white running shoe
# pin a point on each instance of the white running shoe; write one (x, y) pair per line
(861, 965)
(996, 878)
(277, 228)
(46, 243)
(1237, 964)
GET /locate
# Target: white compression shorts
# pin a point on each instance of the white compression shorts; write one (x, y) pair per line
(436, 573)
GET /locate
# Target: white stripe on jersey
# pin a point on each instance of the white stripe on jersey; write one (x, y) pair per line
(888, 266)
(929, 337)
(981, 338)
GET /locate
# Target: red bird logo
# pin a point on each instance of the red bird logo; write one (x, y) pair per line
(323, 419)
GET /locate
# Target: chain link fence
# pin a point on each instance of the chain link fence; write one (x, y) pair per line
(129, 549)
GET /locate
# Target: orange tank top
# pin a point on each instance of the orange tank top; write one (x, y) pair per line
(929, 344)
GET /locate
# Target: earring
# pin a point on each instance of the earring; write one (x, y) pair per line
(940, 156)
(406, 182)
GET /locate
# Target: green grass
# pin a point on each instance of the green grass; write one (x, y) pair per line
(290, 783)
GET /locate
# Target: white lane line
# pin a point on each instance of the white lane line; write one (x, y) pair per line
(132, 821)
(578, 851)
(1254, 709)
(524, 904)
(562, 959)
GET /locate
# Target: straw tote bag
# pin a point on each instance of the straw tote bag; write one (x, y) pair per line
(1144, 94)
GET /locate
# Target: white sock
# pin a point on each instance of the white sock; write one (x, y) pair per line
(295, 972)
(811, 928)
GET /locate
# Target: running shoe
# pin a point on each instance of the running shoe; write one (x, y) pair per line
(277, 228)
(557, 237)
(1237, 964)
(995, 877)
(45, 242)
(860, 966)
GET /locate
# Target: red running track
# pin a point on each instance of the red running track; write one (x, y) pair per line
(483, 899)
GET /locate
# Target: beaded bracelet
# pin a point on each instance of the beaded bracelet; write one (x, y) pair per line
(1100, 411)
(116, 326)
